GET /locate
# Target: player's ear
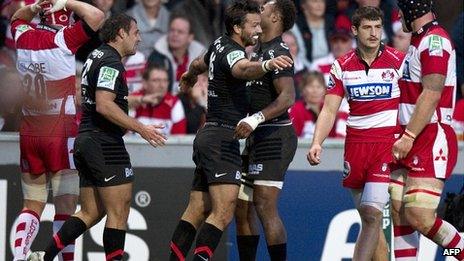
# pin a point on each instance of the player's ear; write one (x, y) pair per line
(237, 29)
(354, 30)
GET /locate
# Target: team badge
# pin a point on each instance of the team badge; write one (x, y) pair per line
(435, 46)
(388, 76)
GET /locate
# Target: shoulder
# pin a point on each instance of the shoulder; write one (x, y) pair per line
(395, 56)
(346, 59)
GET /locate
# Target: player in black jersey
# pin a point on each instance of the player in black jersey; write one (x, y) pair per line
(271, 142)
(99, 153)
(215, 150)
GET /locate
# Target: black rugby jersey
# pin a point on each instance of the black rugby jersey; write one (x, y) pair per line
(262, 91)
(103, 70)
(227, 97)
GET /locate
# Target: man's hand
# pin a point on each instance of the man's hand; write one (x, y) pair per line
(314, 154)
(56, 6)
(151, 134)
(152, 99)
(187, 80)
(242, 131)
(402, 147)
(279, 63)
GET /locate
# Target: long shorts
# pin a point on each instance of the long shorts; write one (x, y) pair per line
(40, 154)
(433, 154)
(102, 160)
(217, 157)
(366, 162)
(271, 150)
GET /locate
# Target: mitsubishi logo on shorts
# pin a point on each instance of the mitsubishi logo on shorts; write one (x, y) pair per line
(440, 156)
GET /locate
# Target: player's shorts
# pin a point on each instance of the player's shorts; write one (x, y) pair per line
(270, 150)
(366, 162)
(102, 160)
(434, 153)
(41, 154)
(217, 157)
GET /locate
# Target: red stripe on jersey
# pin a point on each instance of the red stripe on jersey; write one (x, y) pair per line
(410, 91)
(433, 193)
(362, 108)
(402, 230)
(381, 134)
(75, 36)
(434, 63)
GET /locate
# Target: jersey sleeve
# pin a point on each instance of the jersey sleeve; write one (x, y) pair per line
(18, 27)
(232, 56)
(109, 77)
(335, 84)
(74, 36)
(278, 51)
(435, 52)
(208, 54)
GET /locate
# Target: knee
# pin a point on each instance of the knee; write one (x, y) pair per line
(225, 212)
(65, 204)
(370, 215)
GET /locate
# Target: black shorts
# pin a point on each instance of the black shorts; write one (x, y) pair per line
(270, 150)
(102, 160)
(217, 157)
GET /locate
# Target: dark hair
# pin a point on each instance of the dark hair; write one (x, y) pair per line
(152, 67)
(183, 17)
(113, 24)
(236, 13)
(311, 76)
(370, 13)
(287, 10)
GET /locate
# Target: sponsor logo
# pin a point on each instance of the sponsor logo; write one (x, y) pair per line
(238, 174)
(346, 169)
(107, 77)
(34, 67)
(440, 156)
(234, 57)
(220, 175)
(129, 172)
(435, 46)
(384, 167)
(415, 160)
(110, 178)
(23, 28)
(211, 93)
(388, 76)
(142, 198)
(255, 169)
(370, 91)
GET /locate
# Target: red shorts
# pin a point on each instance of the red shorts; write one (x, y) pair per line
(46, 154)
(366, 162)
(434, 153)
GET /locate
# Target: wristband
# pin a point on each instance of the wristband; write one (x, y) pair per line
(253, 120)
(264, 67)
(60, 4)
(409, 134)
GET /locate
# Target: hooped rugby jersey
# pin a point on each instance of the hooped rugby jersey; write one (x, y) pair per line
(372, 93)
(431, 51)
(47, 66)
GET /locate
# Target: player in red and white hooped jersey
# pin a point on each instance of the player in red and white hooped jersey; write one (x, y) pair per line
(427, 149)
(46, 63)
(368, 78)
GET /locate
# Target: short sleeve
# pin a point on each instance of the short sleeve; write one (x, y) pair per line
(435, 53)
(335, 84)
(278, 51)
(108, 78)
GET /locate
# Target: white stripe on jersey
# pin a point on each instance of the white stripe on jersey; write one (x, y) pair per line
(55, 65)
(406, 110)
(376, 120)
(440, 153)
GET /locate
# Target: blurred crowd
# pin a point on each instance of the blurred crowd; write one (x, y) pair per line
(174, 32)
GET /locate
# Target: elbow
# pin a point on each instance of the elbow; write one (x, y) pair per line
(101, 108)
(96, 19)
(290, 100)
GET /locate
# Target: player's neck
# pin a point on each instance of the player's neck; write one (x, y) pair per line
(117, 48)
(238, 40)
(268, 35)
(421, 21)
(368, 54)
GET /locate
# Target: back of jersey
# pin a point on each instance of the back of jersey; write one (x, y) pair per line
(228, 101)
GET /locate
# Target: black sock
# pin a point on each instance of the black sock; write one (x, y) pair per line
(113, 242)
(71, 229)
(247, 247)
(207, 241)
(278, 252)
(182, 240)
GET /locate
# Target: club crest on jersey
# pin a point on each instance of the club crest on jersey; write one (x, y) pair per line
(234, 56)
(388, 76)
(370, 91)
(435, 46)
(284, 45)
(23, 28)
(107, 77)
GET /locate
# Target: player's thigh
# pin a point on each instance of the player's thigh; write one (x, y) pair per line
(31, 160)
(422, 194)
(116, 198)
(65, 189)
(223, 197)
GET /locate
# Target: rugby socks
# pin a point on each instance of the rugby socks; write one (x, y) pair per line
(207, 241)
(26, 231)
(445, 235)
(71, 229)
(67, 254)
(113, 242)
(278, 252)
(182, 240)
(247, 247)
(406, 243)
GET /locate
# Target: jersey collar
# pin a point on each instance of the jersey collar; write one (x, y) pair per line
(425, 28)
(113, 50)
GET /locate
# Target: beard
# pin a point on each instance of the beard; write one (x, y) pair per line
(248, 40)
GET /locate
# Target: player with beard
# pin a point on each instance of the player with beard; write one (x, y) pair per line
(215, 150)
(427, 149)
(101, 158)
(272, 141)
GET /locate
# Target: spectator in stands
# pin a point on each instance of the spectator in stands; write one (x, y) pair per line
(195, 102)
(10, 99)
(314, 28)
(401, 39)
(206, 18)
(304, 112)
(179, 46)
(458, 119)
(300, 63)
(152, 20)
(341, 42)
(155, 105)
(135, 65)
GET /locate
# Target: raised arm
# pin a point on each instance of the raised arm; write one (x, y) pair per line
(248, 70)
(189, 78)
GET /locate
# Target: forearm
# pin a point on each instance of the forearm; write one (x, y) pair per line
(92, 16)
(324, 125)
(279, 106)
(25, 13)
(113, 113)
(250, 71)
(425, 107)
(198, 66)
